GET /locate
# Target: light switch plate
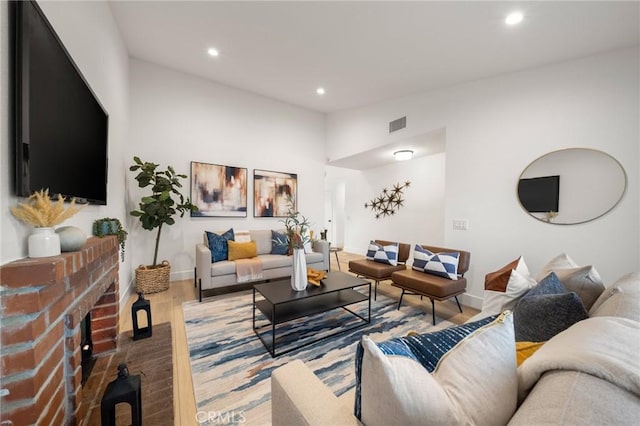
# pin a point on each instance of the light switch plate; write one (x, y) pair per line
(461, 224)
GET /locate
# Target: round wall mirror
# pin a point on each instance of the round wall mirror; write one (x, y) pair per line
(571, 186)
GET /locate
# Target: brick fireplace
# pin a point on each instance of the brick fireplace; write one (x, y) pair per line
(43, 303)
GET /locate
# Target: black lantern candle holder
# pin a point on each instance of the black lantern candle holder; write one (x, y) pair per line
(141, 304)
(125, 389)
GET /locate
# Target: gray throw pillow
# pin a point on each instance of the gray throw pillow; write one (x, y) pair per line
(546, 310)
(584, 281)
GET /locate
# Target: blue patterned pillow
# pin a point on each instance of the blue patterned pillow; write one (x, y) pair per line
(279, 243)
(387, 254)
(441, 264)
(427, 349)
(218, 245)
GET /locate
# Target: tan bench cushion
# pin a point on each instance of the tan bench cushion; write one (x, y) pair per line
(375, 270)
(427, 284)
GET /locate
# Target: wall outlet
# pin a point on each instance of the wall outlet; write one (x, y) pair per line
(460, 224)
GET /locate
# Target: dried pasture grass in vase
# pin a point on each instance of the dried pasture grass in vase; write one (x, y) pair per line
(40, 211)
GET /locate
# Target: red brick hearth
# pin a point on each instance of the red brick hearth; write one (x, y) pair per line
(43, 303)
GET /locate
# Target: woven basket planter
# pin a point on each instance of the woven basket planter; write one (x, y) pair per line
(153, 279)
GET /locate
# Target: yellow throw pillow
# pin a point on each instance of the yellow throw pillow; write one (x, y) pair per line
(525, 349)
(242, 250)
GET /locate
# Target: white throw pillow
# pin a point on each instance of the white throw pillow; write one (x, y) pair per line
(242, 236)
(505, 286)
(474, 383)
(308, 248)
(561, 261)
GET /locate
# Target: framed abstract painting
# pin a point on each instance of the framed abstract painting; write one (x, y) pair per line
(274, 193)
(218, 190)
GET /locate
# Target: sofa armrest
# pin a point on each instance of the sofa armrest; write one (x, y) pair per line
(321, 246)
(203, 265)
(298, 397)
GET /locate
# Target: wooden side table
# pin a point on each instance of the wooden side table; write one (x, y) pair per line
(335, 250)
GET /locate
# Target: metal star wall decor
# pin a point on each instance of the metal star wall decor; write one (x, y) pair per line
(389, 201)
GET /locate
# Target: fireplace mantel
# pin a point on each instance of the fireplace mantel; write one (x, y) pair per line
(43, 303)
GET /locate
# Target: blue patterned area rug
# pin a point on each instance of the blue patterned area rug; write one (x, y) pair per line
(231, 368)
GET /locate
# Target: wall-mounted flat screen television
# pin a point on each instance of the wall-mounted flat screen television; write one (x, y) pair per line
(60, 127)
(540, 194)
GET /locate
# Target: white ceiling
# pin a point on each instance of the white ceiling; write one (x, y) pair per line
(365, 52)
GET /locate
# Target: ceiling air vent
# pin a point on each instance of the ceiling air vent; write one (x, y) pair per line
(398, 124)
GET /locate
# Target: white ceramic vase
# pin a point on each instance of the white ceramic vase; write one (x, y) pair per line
(299, 274)
(43, 242)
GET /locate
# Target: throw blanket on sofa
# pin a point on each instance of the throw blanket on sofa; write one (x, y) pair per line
(605, 347)
(248, 269)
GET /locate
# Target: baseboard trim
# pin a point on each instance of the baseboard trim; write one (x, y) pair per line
(181, 275)
(471, 300)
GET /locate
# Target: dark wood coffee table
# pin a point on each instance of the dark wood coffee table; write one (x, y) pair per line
(280, 304)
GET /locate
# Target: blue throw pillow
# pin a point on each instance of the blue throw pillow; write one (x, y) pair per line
(279, 243)
(441, 264)
(218, 245)
(550, 284)
(427, 349)
(546, 310)
(383, 254)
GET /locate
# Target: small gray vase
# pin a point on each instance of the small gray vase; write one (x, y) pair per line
(71, 238)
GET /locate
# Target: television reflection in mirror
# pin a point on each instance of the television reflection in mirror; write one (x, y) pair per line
(540, 194)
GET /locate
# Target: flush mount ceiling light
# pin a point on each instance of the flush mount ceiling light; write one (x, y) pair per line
(514, 18)
(403, 155)
(320, 91)
(212, 51)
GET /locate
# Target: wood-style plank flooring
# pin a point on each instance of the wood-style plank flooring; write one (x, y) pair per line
(167, 307)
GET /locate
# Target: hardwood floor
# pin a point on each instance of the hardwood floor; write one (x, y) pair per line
(167, 307)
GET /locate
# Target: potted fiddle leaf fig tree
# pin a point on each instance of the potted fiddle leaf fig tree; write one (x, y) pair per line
(154, 211)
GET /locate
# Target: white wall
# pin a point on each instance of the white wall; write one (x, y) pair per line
(177, 118)
(495, 128)
(91, 36)
(419, 220)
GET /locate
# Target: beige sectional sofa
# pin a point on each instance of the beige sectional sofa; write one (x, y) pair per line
(586, 374)
(209, 275)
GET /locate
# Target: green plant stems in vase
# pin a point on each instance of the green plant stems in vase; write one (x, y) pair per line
(296, 226)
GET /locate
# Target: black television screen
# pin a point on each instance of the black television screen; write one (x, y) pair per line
(540, 194)
(60, 127)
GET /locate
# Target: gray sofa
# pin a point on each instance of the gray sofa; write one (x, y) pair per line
(210, 275)
(570, 380)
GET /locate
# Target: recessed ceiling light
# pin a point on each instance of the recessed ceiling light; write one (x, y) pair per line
(320, 91)
(212, 51)
(403, 155)
(514, 18)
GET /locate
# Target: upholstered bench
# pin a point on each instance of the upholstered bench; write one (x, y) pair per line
(380, 271)
(433, 286)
